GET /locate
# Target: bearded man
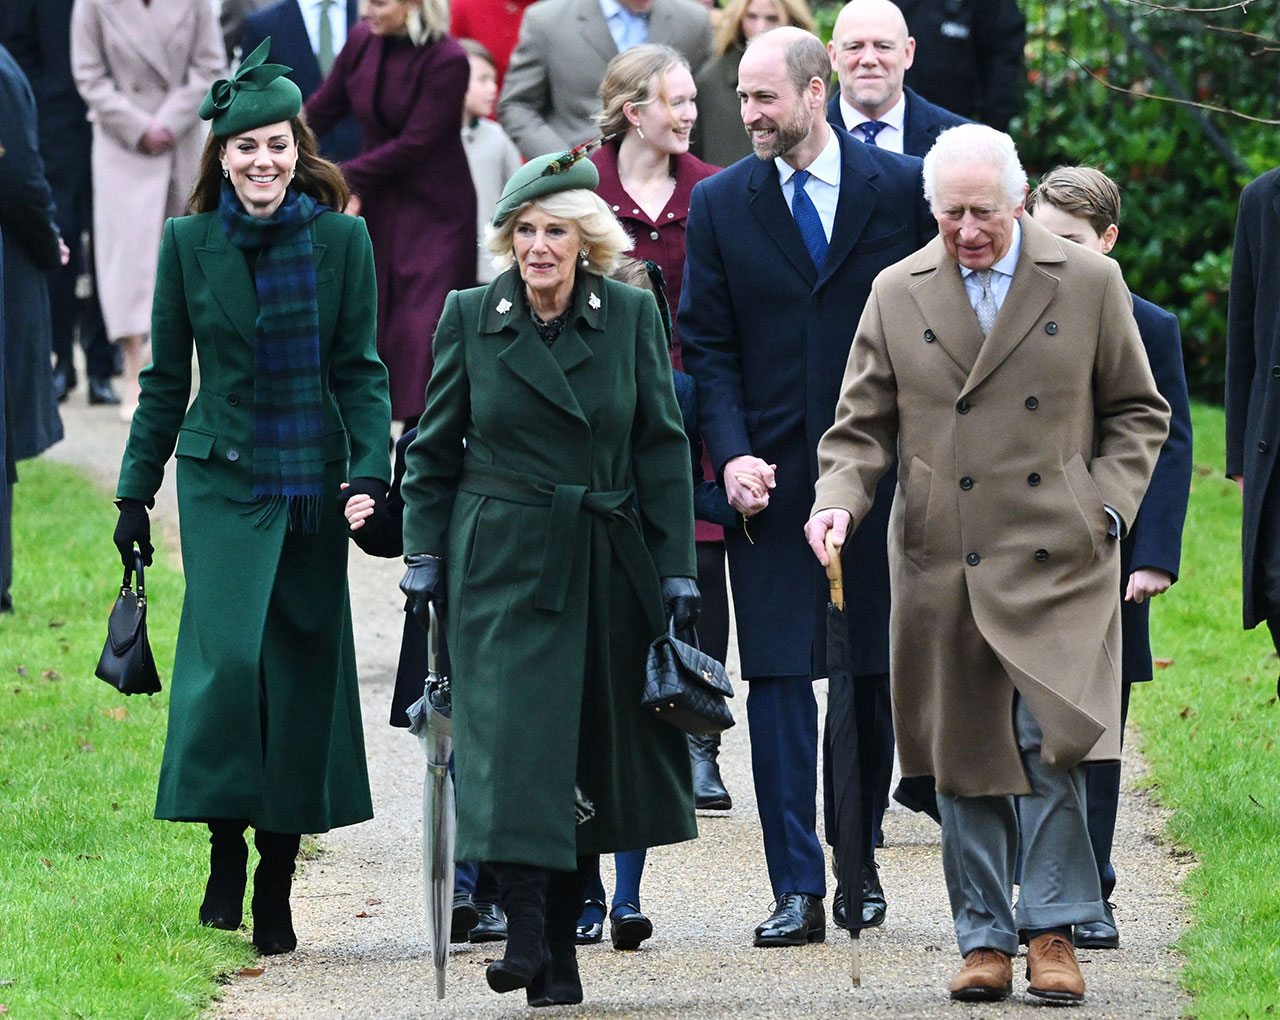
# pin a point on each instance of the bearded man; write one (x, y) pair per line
(781, 252)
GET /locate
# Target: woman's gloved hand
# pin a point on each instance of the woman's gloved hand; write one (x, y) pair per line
(681, 601)
(423, 584)
(133, 528)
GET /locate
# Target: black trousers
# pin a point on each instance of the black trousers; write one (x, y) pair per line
(73, 193)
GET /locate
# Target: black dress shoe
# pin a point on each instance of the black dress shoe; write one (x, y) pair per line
(628, 927)
(840, 909)
(798, 919)
(100, 392)
(63, 383)
(873, 901)
(592, 932)
(492, 926)
(465, 917)
(1098, 934)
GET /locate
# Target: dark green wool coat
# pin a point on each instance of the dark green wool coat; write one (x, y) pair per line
(264, 714)
(571, 497)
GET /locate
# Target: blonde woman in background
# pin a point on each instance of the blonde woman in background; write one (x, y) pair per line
(721, 138)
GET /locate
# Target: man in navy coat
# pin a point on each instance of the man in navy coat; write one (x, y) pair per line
(300, 40)
(781, 251)
(870, 53)
(1083, 205)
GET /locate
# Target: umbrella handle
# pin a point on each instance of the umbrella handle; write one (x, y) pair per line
(835, 573)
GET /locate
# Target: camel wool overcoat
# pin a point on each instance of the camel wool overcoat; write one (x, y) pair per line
(136, 64)
(1004, 575)
(571, 498)
(264, 712)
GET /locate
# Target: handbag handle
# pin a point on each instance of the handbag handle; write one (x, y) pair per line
(691, 631)
(129, 573)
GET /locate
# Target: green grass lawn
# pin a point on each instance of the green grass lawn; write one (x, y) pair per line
(97, 900)
(1209, 726)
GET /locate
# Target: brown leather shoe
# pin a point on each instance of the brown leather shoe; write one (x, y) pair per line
(987, 976)
(1052, 969)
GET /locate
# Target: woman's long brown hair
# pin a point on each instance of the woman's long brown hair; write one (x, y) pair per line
(314, 175)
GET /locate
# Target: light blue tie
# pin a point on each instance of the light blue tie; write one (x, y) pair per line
(807, 219)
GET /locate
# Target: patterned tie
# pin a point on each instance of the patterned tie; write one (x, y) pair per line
(870, 129)
(325, 54)
(986, 306)
(807, 219)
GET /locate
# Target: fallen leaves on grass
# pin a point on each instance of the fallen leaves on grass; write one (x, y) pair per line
(118, 713)
(1162, 663)
(50, 674)
(250, 972)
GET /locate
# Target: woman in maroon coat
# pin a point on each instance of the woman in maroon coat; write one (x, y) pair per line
(404, 79)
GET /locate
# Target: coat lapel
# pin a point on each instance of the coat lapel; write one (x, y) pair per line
(595, 30)
(136, 22)
(1029, 294)
(858, 196)
(770, 209)
(939, 292)
(227, 274)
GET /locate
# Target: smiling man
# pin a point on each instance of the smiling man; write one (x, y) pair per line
(781, 252)
(1003, 368)
(870, 52)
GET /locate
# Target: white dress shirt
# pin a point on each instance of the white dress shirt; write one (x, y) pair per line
(1001, 273)
(823, 186)
(892, 137)
(627, 29)
(337, 18)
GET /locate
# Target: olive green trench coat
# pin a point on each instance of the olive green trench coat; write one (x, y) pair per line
(264, 714)
(571, 497)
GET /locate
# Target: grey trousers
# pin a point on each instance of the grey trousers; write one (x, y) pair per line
(980, 840)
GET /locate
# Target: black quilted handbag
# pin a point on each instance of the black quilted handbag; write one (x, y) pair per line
(126, 662)
(686, 687)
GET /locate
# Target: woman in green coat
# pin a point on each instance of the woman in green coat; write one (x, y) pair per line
(549, 507)
(275, 292)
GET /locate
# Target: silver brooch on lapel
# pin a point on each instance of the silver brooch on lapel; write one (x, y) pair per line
(503, 306)
(594, 300)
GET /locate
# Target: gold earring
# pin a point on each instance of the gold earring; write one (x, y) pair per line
(583, 255)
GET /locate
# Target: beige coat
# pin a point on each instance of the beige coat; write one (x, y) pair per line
(1003, 574)
(135, 64)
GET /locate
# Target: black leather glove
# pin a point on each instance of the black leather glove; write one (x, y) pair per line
(681, 601)
(133, 528)
(423, 584)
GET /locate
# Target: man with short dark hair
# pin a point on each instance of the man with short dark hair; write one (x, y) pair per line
(1002, 367)
(781, 252)
(871, 51)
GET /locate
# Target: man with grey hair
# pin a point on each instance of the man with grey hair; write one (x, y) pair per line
(781, 252)
(1004, 369)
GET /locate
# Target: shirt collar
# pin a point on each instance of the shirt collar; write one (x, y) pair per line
(612, 9)
(826, 167)
(1009, 262)
(896, 117)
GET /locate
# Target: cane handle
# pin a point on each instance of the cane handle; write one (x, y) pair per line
(835, 575)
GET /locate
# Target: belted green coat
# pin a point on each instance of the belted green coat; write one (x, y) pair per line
(264, 714)
(570, 498)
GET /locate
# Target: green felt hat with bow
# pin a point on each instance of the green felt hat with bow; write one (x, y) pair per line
(257, 94)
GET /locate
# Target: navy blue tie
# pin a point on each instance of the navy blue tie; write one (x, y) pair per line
(870, 129)
(808, 220)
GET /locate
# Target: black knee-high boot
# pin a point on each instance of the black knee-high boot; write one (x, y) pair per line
(272, 882)
(524, 898)
(558, 984)
(223, 904)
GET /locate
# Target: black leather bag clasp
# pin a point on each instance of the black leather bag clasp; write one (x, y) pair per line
(126, 662)
(686, 687)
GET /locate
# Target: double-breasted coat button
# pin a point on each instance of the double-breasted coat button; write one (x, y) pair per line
(653, 235)
(1262, 446)
(1032, 403)
(233, 455)
(1033, 479)
(973, 559)
(1042, 555)
(233, 399)
(929, 337)
(966, 483)
(1275, 370)
(963, 407)
(1051, 328)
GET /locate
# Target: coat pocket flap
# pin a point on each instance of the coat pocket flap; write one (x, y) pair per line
(194, 443)
(336, 445)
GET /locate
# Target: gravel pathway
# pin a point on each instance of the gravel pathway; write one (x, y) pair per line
(358, 906)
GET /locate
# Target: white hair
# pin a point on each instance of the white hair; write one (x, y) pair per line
(602, 234)
(969, 144)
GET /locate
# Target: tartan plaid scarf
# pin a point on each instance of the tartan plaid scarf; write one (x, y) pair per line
(288, 424)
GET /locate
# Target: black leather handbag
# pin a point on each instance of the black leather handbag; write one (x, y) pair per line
(126, 662)
(686, 687)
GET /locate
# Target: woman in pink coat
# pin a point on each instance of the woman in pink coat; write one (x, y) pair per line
(405, 79)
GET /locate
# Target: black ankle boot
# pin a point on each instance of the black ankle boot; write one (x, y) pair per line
(223, 905)
(558, 984)
(272, 920)
(524, 898)
(709, 793)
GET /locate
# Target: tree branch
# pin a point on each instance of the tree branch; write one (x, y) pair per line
(1242, 6)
